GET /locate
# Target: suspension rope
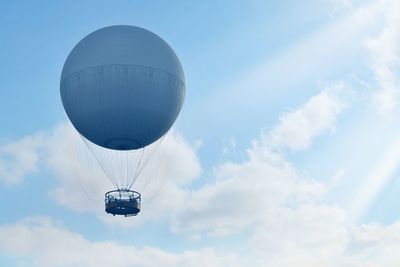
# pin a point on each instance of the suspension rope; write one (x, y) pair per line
(127, 155)
(165, 157)
(136, 170)
(98, 161)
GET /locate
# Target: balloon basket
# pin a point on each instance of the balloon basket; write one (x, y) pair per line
(122, 202)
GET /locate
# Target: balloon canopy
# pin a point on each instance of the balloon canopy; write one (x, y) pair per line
(122, 87)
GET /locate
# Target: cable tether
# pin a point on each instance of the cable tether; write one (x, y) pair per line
(98, 161)
(136, 170)
(139, 170)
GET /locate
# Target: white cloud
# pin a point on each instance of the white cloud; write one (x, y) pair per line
(320, 236)
(384, 49)
(48, 244)
(375, 245)
(310, 235)
(385, 53)
(296, 129)
(233, 201)
(248, 193)
(20, 158)
(293, 238)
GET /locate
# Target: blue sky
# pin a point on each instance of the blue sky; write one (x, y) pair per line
(286, 152)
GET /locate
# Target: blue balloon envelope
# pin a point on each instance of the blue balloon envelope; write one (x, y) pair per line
(122, 87)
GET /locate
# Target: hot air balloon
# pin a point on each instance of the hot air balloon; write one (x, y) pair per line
(122, 88)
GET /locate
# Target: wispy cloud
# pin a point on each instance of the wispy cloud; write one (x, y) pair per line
(297, 238)
(48, 244)
(20, 158)
(297, 129)
(385, 54)
(266, 184)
